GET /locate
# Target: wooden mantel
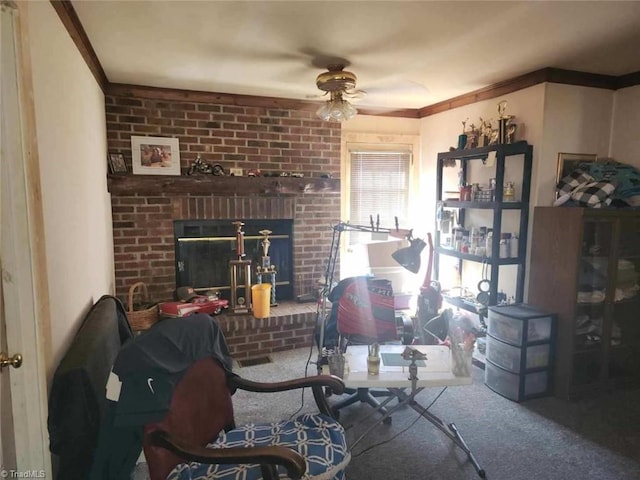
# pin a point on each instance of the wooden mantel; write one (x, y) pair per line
(219, 185)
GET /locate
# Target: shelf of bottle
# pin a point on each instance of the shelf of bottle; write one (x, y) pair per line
(482, 205)
(469, 305)
(478, 258)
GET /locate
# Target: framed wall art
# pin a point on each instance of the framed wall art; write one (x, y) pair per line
(116, 163)
(568, 162)
(155, 156)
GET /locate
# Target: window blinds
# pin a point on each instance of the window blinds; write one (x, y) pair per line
(379, 186)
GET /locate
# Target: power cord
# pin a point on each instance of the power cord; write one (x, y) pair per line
(370, 447)
(306, 374)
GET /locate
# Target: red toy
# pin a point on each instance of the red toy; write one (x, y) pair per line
(199, 304)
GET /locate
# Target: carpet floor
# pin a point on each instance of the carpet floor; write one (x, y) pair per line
(546, 438)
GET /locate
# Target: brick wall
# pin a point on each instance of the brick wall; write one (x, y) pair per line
(144, 242)
(247, 137)
(234, 136)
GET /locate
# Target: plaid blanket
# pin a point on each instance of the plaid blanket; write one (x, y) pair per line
(585, 190)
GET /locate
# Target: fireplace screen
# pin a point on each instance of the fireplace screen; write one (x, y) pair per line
(204, 248)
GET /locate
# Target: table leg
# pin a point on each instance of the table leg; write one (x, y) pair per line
(450, 430)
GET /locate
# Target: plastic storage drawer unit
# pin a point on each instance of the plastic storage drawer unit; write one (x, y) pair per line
(511, 358)
(517, 387)
(520, 343)
(519, 324)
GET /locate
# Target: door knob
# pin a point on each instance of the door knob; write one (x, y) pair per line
(6, 361)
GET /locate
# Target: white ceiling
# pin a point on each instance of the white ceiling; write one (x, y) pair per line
(405, 54)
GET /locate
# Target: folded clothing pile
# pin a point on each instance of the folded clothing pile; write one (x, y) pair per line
(598, 185)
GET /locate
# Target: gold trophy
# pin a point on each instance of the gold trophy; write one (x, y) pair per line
(265, 269)
(240, 272)
(505, 134)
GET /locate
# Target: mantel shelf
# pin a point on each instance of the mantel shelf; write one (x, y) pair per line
(219, 185)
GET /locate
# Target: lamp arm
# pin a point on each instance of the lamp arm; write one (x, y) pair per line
(394, 232)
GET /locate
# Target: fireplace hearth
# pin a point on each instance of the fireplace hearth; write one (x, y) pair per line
(203, 249)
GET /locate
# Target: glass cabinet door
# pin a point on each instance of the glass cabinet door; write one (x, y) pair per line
(591, 311)
(624, 350)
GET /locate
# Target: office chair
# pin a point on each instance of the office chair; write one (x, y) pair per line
(363, 312)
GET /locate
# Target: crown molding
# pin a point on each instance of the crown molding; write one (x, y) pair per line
(70, 20)
(550, 75)
(175, 94)
(628, 80)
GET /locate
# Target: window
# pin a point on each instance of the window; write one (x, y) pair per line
(379, 188)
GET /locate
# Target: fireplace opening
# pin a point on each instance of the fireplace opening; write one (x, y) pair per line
(203, 249)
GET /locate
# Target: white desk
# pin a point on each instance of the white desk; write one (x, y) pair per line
(435, 372)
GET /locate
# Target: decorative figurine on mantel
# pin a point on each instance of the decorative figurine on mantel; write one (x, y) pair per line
(200, 166)
(265, 268)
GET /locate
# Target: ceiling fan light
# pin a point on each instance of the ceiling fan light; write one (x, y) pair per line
(324, 112)
(336, 109)
(349, 110)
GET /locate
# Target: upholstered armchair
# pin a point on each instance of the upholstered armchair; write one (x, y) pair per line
(198, 438)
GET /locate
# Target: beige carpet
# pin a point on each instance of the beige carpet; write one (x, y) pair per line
(544, 439)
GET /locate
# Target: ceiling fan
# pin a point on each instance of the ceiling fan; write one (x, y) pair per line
(338, 83)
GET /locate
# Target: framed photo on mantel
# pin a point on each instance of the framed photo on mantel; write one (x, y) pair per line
(155, 156)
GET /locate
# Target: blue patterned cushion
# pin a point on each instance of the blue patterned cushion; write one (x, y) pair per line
(318, 438)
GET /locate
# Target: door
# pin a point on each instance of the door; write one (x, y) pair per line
(24, 300)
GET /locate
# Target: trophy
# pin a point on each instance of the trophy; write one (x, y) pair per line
(265, 269)
(505, 133)
(240, 272)
(265, 260)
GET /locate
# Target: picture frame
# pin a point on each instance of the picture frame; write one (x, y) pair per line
(117, 164)
(155, 155)
(568, 162)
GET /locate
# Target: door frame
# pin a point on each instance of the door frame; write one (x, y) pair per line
(23, 261)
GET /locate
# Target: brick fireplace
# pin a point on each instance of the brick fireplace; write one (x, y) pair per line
(234, 136)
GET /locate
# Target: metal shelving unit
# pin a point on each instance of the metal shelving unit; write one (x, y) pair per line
(497, 206)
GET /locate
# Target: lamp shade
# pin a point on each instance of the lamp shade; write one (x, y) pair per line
(409, 257)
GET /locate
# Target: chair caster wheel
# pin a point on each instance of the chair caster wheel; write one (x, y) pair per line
(387, 421)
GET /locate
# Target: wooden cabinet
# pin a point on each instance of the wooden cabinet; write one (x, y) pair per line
(585, 266)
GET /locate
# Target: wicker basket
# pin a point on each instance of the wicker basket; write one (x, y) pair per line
(146, 313)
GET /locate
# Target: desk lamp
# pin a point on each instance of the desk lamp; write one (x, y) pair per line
(409, 257)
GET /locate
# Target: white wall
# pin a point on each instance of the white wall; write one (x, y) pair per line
(625, 137)
(576, 120)
(384, 125)
(71, 131)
